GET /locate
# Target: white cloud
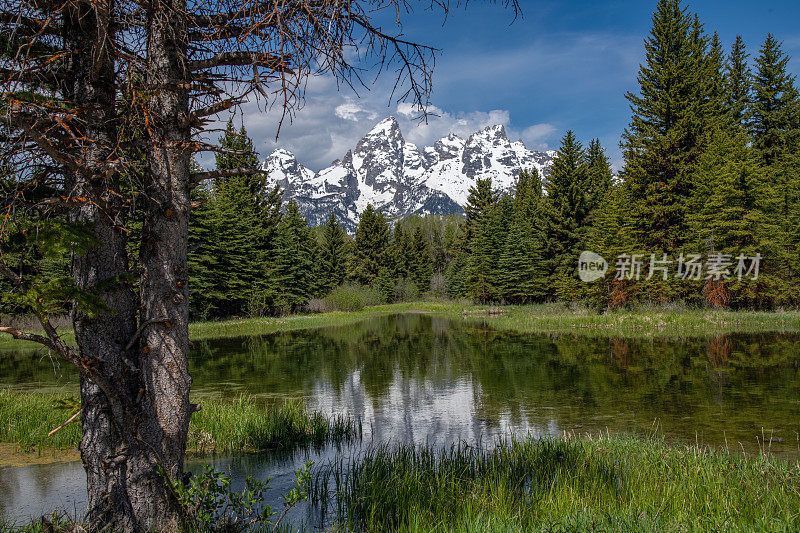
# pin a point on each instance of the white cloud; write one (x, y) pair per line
(354, 112)
(538, 135)
(585, 97)
(331, 123)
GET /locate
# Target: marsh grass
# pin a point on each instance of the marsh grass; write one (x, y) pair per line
(601, 484)
(248, 425)
(352, 297)
(242, 424)
(670, 321)
(27, 418)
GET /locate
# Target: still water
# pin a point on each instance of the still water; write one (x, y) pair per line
(425, 379)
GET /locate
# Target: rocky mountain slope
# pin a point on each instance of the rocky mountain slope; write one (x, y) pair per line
(400, 179)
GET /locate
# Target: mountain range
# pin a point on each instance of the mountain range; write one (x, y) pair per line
(400, 179)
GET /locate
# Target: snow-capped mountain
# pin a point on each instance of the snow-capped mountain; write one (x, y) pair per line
(400, 179)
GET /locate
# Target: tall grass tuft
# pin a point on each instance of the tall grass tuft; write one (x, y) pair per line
(611, 484)
(243, 424)
(27, 418)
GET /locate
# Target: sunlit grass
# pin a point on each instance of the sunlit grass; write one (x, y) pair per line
(246, 425)
(242, 424)
(645, 322)
(27, 418)
(552, 318)
(605, 484)
(543, 318)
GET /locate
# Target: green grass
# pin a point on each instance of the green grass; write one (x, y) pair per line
(641, 322)
(606, 484)
(27, 418)
(542, 318)
(243, 424)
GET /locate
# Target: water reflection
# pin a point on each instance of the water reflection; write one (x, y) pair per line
(417, 378)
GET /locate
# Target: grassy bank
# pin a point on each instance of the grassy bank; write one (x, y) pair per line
(606, 484)
(543, 318)
(641, 322)
(243, 424)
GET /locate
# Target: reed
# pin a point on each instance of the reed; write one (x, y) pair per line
(248, 425)
(600, 484)
(242, 424)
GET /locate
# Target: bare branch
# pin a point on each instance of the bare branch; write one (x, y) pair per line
(218, 107)
(23, 336)
(242, 58)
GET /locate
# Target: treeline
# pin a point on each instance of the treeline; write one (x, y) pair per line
(711, 167)
(249, 254)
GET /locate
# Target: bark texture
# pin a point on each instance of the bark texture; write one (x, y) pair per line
(135, 393)
(102, 339)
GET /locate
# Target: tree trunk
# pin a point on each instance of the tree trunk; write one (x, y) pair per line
(135, 395)
(164, 294)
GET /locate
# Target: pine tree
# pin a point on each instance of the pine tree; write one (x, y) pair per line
(402, 256)
(458, 256)
(667, 129)
(332, 255)
(237, 226)
(521, 275)
(205, 274)
(732, 216)
(567, 208)
(371, 246)
(479, 202)
(773, 111)
(482, 239)
(609, 236)
(240, 153)
(716, 105)
(269, 213)
(598, 175)
(293, 268)
(737, 82)
(775, 131)
(422, 269)
(569, 181)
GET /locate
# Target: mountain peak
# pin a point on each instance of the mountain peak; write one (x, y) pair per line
(400, 178)
(385, 126)
(282, 153)
(497, 131)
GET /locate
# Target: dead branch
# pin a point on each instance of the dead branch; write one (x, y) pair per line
(65, 424)
(242, 58)
(33, 337)
(223, 105)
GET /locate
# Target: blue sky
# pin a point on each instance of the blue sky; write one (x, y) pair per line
(563, 65)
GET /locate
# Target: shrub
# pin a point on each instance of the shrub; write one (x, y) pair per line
(439, 286)
(316, 305)
(351, 297)
(405, 290)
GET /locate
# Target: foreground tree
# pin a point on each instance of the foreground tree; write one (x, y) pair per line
(69, 138)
